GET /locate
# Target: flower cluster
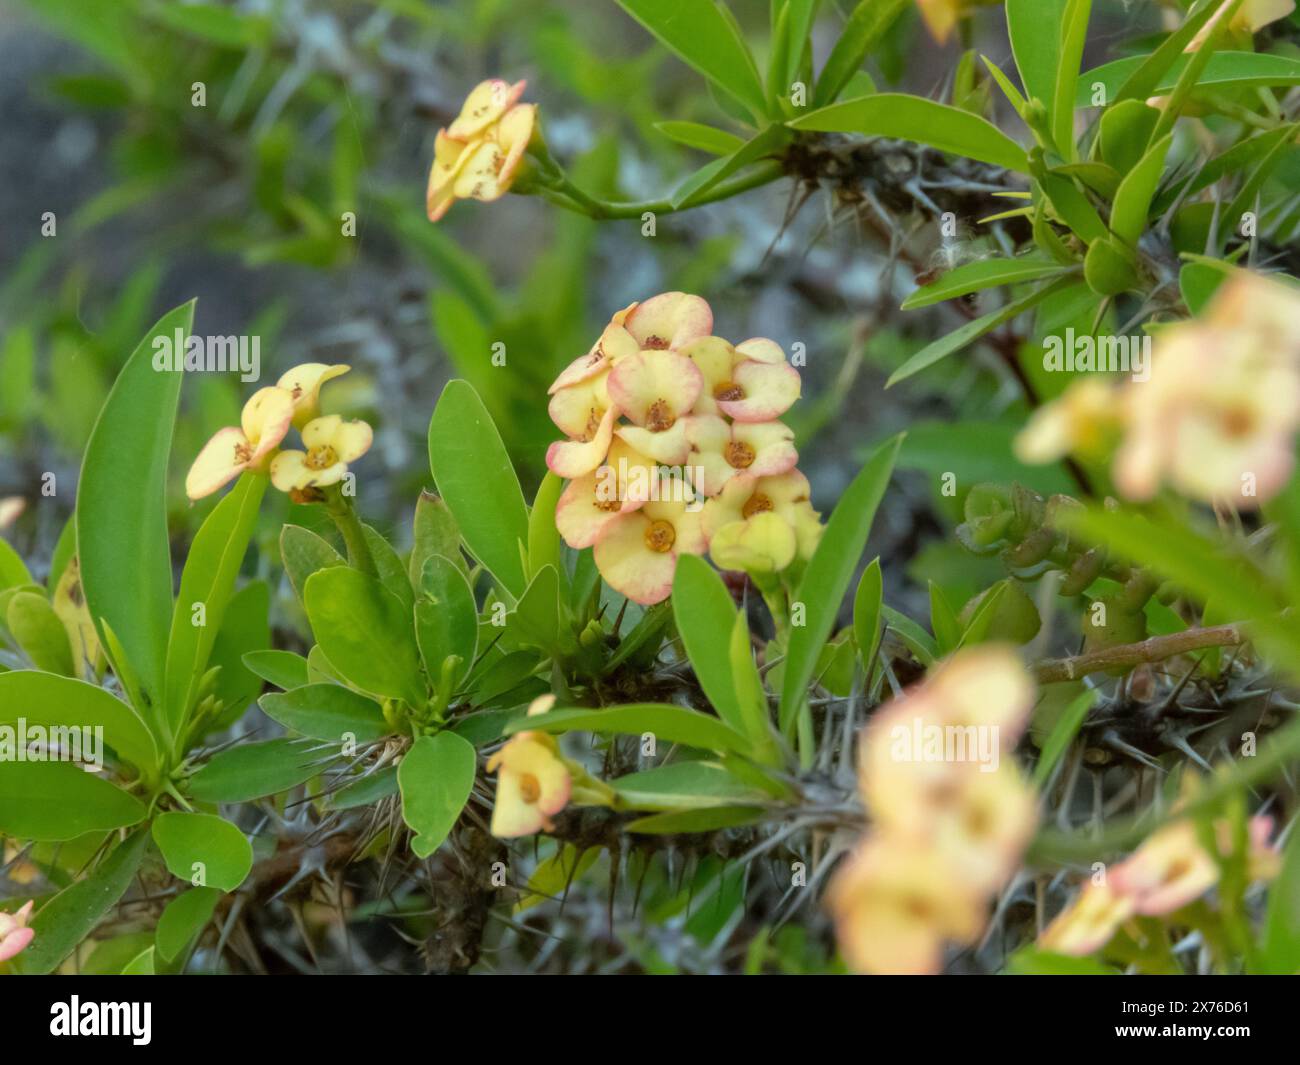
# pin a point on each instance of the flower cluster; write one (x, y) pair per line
(534, 781)
(477, 157)
(1218, 417)
(14, 933)
(674, 443)
(950, 818)
(1171, 869)
(294, 401)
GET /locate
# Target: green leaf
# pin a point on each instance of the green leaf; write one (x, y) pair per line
(365, 632)
(918, 641)
(327, 712)
(868, 23)
(750, 694)
(760, 146)
(1280, 942)
(446, 620)
(203, 850)
(1225, 70)
(1074, 34)
(50, 700)
(73, 913)
(141, 965)
(552, 877)
(1035, 28)
(208, 578)
(543, 535)
(696, 135)
(1149, 69)
(710, 819)
(959, 338)
(183, 920)
(1062, 735)
(284, 669)
(246, 628)
(866, 614)
(684, 786)
(389, 566)
(40, 633)
(705, 613)
(828, 574)
(1125, 133)
(1030, 961)
(13, 571)
(979, 275)
(435, 533)
(943, 620)
(1128, 213)
(126, 571)
(795, 25)
(475, 477)
(670, 724)
(254, 770)
(912, 118)
(60, 801)
(704, 35)
(435, 776)
(303, 553)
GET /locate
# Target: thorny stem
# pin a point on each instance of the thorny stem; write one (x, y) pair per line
(1155, 649)
(339, 507)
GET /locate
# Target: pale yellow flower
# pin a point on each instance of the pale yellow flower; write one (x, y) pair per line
(533, 782)
(263, 424)
(331, 444)
(304, 382)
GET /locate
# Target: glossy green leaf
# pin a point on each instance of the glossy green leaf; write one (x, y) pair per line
(435, 533)
(543, 536)
(47, 699)
(867, 599)
(751, 695)
(435, 776)
(13, 571)
(183, 919)
(303, 553)
(60, 800)
(1125, 132)
(1148, 70)
(684, 786)
(916, 119)
(203, 850)
(206, 585)
(705, 613)
(709, 819)
(365, 632)
(327, 712)
(126, 571)
(704, 35)
(979, 275)
(1225, 70)
(1074, 33)
(696, 135)
(1062, 735)
(668, 724)
(254, 770)
(827, 577)
(869, 22)
(1280, 942)
(1128, 213)
(759, 147)
(1035, 29)
(446, 619)
(943, 622)
(284, 669)
(474, 475)
(40, 633)
(74, 912)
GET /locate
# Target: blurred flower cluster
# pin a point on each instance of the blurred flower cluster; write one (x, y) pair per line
(1171, 869)
(674, 444)
(477, 157)
(294, 401)
(1218, 417)
(950, 817)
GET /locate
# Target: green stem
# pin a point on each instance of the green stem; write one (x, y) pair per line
(589, 205)
(345, 517)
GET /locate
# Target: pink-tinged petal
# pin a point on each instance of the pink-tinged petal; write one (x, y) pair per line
(669, 447)
(1088, 923)
(575, 458)
(589, 504)
(15, 942)
(614, 343)
(222, 459)
(771, 445)
(670, 320)
(765, 391)
(480, 177)
(729, 505)
(289, 471)
(486, 103)
(448, 157)
(629, 565)
(577, 411)
(514, 133)
(655, 389)
(266, 419)
(760, 349)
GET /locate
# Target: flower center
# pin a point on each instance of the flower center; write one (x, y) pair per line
(320, 457)
(530, 788)
(739, 455)
(655, 343)
(728, 391)
(593, 425)
(243, 453)
(660, 536)
(660, 418)
(607, 505)
(756, 504)
(1237, 422)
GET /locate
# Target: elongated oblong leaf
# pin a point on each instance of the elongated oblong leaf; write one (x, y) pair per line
(476, 480)
(704, 36)
(979, 275)
(327, 712)
(868, 23)
(673, 724)
(1225, 70)
(828, 574)
(60, 801)
(923, 121)
(705, 614)
(126, 572)
(254, 770)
